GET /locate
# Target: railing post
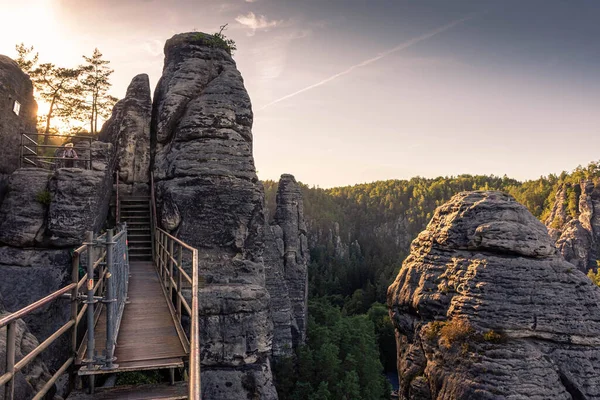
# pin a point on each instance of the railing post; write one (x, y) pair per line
(194, 390)
(74, 293)
(179, 274)
(90, 310)
(170, 277)
(11, 333)
(110, 302)
(164, 263)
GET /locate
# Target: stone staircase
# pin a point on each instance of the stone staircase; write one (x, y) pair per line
(135, 211)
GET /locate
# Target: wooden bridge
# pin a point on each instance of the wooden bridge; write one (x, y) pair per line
(140, 284)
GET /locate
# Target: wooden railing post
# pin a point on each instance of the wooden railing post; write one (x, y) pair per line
(179, 274)
(74, 294)
(194, 389)
(90, 310)
(11, 333)
(170, 277)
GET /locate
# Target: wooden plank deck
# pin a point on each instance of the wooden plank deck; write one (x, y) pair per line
(147, 337)
(139, 392)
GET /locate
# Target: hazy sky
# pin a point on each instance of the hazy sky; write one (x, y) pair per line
(349, 91)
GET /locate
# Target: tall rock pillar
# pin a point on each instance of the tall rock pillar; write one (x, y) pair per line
(209, 195)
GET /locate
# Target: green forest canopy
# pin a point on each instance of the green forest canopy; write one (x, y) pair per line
(382, 217)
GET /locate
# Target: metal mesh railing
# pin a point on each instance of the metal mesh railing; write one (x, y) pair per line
(33, 154)
(107, 263)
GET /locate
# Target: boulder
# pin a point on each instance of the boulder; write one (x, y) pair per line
(79, 199)
(15, 86)
(32, 377)
(484, 307)
(23, 213)
(208, 194)
(577, 238)
(128, 129)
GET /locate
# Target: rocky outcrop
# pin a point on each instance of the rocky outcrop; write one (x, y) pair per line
(577, 238)
(15, 86)
(289, 216)
(33, 376)
(128, 129)
(286, 258)
(44, 215)
(208, 194)
(484, 307)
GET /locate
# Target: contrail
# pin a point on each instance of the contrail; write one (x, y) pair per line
(386, 53)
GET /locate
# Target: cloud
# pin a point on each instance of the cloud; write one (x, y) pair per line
(257, 22)
(400, 47)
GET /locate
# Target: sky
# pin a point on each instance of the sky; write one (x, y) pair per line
(353, 91)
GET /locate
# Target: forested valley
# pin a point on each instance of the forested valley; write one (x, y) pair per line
(358, 237)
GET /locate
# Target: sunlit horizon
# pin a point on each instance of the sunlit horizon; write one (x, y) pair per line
(352, 93)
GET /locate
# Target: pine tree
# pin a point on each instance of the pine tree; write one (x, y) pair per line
(60, 88)
(25, 58)
(96, 83)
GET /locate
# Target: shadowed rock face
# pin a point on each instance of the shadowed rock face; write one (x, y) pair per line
(286, 258)
(45, 214)
(484, 307)
(208, 194)
(577, 239)
(15, 85)
(128, 129)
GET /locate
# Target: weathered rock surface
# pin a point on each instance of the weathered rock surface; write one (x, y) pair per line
(128, 129)
(33, 376)
(286, 258)
(485, 308)
(45, 214)
(209, 195)
(289, 216)
(23, 213)
(80, 200)
(15, 85)
(577, 238)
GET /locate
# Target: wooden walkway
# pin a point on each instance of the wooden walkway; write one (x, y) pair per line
(140, 392)
(147, 338)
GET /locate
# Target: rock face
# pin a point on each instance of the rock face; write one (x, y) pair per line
(15, 86)
(33, 377)
(128, 129)
(286, 258)
(44, 215)
(577, 238)
(209, 195)
(484, 307)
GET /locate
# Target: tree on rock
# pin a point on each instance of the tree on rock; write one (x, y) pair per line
(60, 88)
(96, 83)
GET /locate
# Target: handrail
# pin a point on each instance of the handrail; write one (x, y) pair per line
(71, 291)
(169, 261)
(33, 153)
(167, 252)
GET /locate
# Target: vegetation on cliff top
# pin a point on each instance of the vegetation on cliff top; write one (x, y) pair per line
(359, 235)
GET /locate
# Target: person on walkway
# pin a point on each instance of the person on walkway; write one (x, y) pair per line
(70, 155)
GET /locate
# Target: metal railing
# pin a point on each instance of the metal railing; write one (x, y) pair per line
(171, 257)
(30, 149)
(105, 261)
(109, 253)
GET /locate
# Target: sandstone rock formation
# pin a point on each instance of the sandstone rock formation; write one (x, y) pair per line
(44, 215)
(209, 195)
(128, 129)
(15, 86)
(484, 307)
(34, 376)
(578, 239)
(286, 258)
